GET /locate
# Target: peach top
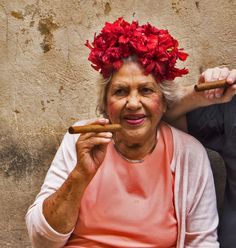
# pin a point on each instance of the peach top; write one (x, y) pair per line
(130, 204)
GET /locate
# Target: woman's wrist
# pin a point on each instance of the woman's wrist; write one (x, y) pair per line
(79, 177)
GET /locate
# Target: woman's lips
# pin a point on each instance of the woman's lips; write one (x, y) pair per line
(134, 119)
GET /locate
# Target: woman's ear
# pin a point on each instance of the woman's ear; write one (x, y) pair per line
(164, 109)
(164, 105)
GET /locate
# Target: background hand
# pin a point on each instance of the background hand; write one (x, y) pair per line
(219, 95)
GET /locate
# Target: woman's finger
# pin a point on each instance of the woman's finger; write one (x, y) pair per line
(101, 121)
(89, 135)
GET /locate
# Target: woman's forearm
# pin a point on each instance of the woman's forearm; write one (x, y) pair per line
(61, 208)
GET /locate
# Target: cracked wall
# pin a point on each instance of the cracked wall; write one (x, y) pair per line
(46, 82)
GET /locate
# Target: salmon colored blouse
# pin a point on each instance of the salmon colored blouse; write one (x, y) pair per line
(130, 204)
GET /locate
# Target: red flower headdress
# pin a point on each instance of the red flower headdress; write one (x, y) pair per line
(155, 49)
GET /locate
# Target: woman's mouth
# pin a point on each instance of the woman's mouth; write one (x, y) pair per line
(134, 119)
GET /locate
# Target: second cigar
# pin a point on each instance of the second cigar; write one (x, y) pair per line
(210, 85)
(96, 128)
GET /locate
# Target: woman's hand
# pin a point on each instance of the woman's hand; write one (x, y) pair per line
(219, 95)
(91, 150)
(61, 208)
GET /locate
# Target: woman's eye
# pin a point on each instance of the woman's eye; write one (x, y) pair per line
(120, 92)
(146, 90)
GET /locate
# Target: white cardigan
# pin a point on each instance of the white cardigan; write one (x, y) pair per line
(194, 195)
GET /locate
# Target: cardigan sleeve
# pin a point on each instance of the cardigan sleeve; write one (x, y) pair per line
(194, 193)
(41, 234)
(201, 215)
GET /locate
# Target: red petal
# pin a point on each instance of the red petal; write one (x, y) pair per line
(182, 56)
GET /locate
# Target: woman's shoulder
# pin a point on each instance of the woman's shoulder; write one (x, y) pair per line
(189, 153)
(182, 136)
(186, 143)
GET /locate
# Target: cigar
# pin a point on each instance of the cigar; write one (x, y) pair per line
(210, 85)
(94, 128)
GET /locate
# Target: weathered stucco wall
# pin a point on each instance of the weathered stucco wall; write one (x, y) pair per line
(46, 82)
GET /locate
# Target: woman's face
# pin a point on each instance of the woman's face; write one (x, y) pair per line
(135, 101)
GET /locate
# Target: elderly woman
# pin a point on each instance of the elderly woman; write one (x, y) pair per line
(148, 185)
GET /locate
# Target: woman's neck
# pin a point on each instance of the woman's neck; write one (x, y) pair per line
(135, 151)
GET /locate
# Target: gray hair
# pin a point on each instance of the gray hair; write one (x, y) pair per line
(102, 95)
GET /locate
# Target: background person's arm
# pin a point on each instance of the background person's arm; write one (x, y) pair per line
(191, 99)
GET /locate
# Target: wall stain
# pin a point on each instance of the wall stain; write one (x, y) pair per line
(107, 9)
(60, 89)
(19, 160)
(176, 6)
(14, 160)
(46, 26)
(44, 103)
(197, 4)
(32, 23)
(201, 69)
(16, 111)
(94, 3)
(43, 106)
(23, 30)
(28, 41)
(22, 156)
(17, 14)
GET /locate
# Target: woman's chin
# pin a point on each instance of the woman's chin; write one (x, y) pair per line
(135, 135)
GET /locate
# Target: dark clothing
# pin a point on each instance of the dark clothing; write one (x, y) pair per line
(215, 127)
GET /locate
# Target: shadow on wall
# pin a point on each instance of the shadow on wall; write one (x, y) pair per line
(219, 173)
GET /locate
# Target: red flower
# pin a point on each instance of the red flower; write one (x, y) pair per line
(155, 49)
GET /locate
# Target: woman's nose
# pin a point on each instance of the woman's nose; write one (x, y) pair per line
(133, 101)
